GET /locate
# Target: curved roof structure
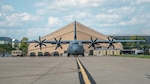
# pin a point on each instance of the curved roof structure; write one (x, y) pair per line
(67, 33)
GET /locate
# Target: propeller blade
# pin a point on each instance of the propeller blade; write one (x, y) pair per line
(44, 44)
(91, 39)
(108, 47)
(43, 40)
(40, 47)
(113, 46)
(111, 41)
(36, 45)
(40, 42)
(36, 41)
(58, 43)
(39, 38)
(60, 39)
(90, 46)
(61, 47)
(55, 39)
(56, 47)
(93, 46)
(108, 38)
(95, 40)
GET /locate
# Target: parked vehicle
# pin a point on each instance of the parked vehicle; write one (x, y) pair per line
(55, 53)
(32, 54)
(46, 54)
(15, 53)
(40, 53)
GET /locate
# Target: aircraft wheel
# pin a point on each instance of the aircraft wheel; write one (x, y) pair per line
(83, 54)
(68, 54)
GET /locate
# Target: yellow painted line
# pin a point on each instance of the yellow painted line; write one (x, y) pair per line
(85, 77)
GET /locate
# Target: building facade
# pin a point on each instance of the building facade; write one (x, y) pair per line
(67, 33)
(5, 40)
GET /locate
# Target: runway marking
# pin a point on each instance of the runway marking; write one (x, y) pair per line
(85, 74)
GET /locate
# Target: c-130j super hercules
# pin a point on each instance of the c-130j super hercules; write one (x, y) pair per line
(75, 46)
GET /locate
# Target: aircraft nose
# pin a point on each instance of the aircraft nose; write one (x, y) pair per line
(75, 49)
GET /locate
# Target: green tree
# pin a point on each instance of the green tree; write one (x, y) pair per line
(24, 46)
(6, 48)
(135, 44)
(130, 45)
(134, 37)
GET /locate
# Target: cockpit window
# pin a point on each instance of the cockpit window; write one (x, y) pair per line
(75, 43)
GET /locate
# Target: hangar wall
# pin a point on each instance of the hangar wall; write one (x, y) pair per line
(67, 33)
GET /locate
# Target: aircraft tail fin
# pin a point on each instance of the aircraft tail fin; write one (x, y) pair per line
(75, 32)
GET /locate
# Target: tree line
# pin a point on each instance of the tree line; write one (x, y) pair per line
(137, 45)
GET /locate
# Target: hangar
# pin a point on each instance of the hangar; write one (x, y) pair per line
(67, 33)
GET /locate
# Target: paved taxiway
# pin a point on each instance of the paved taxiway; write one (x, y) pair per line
(63, 70)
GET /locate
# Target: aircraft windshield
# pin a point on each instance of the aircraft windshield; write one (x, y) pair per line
(75, 43)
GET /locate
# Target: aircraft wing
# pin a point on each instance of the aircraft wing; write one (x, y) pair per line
(107, 41)
(24, 41)
(46, 41)
(83, 41)
(41, 42)
(98, 41)
(55, 42)
(128, 41)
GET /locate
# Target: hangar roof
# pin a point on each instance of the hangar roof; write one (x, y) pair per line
(80, 29)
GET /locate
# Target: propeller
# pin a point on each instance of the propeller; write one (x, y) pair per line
(58, 42)
(111, 41)
(40, 43)
(93, 42)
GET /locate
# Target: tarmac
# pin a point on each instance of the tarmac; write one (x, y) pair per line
(64, 70)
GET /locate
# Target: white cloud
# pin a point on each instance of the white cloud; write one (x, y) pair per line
(3, 32)
(54, 21)
(41, 11)
(77, 15)
(28, 17)
(16, 19)
(110, 31)
(13, 33)
(0, 14)
(142, 1)
(10, 21)
(7, 8)
(122, 10)
(133, 21)
(65, 5)
(101, 19)
(35, 32)
(54, 14)
(107, 18)
(145, 31)
(83, 15)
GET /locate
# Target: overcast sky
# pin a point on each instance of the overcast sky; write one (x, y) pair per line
(33, 18)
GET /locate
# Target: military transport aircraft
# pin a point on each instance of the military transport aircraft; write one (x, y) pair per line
(76, 46)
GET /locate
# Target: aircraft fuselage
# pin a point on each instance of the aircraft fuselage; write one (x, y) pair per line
(75, 48)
